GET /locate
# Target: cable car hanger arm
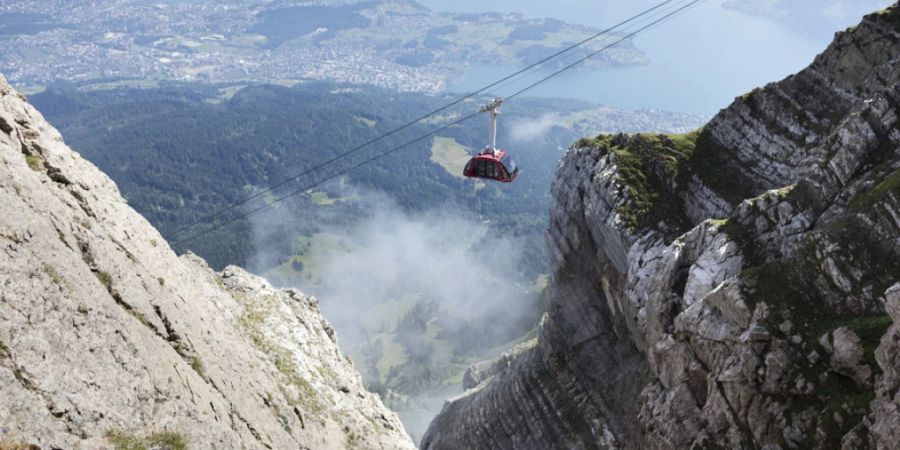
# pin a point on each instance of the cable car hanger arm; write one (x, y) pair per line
(492, 108)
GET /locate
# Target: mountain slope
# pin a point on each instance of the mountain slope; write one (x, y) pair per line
(106, 336)
(724, 288)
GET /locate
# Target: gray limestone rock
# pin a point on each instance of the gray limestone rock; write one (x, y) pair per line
(105, 332)
(885, 413)
(693, 276)
(847, 355)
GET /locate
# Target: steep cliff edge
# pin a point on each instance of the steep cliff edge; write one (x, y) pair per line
(725, 288)
(108, 337)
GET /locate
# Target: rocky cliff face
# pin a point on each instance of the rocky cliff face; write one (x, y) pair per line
(108, 338)
(728, 288)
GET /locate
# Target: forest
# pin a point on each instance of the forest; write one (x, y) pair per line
(184, 151)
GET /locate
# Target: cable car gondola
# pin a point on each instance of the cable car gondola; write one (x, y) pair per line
(492, 163)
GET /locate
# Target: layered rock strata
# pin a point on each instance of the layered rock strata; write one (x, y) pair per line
(727, 288)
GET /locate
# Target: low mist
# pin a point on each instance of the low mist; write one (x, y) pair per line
(417, 297)
(531, 129)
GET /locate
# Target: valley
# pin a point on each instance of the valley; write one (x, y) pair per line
(413, 325)
(656, 277)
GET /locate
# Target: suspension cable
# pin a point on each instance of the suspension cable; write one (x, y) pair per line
(435, 131)
(419, 119)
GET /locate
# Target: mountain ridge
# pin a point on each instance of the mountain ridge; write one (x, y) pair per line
(106, 335)
(735, 287)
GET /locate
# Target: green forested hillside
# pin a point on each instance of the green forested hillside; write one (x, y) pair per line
(181, 152)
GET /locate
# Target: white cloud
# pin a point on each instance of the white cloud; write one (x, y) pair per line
(531, 129)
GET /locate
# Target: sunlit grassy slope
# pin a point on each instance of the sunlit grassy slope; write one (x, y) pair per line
(450, 155)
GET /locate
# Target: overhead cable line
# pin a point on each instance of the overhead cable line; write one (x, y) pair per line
(421, 118)
(437, 130)
(651, 15)
(625, 38)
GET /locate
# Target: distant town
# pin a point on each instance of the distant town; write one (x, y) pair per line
(392, 44)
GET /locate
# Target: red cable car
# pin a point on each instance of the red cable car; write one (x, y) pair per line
(492, 163)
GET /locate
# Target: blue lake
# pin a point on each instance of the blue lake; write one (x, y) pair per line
(699, 60)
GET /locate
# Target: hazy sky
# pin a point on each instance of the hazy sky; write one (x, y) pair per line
(700, 60)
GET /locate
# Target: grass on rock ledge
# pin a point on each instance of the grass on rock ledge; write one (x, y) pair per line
(166, 440)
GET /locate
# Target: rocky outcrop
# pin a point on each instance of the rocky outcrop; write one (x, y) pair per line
(107, 337)
(885, 414)
(726, 288)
